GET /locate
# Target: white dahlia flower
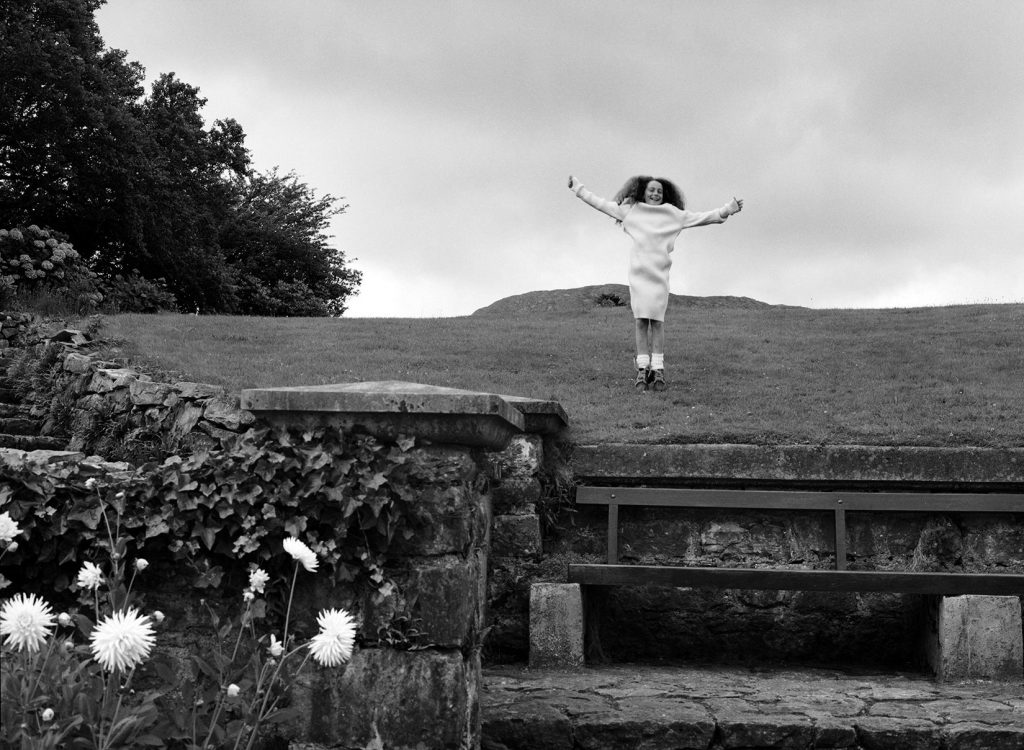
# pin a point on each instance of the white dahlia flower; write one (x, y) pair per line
(8, 527)
(27, 621)
(90, 576)
(302, 553)
(122, 640)
(258, 579)
(333, 644)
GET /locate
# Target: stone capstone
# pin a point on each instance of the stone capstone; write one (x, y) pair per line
(392, 409)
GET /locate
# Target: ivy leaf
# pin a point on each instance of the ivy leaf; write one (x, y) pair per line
(209, 578)
(295, 525)
(88, 516)
(155, 526)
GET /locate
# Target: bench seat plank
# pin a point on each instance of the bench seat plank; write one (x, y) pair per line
(947, 584)
(802, 500)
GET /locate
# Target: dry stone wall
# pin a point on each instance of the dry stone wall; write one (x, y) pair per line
(106, 408)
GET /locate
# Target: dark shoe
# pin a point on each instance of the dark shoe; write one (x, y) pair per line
(640, 384)
(657, 380)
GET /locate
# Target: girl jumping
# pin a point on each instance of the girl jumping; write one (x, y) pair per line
(652, 212)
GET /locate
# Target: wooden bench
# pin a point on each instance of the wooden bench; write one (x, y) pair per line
(995, 651)
(839, 579)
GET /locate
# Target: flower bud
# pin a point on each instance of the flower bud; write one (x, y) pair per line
(233, 690)
(47, 714)
(64, 619)
(158, 616)
(141, 564)
(90, 483)
(248, 596)
(12, 547)
(276, 648)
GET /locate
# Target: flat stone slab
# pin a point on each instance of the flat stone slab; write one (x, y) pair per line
(542, 417)
(391, 408)
(805, 463)
(630, 706)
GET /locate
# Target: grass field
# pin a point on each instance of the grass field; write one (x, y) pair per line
(926, 376)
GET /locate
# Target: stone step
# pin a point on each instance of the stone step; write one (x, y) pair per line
(19, 426)
(13, 410)
(620, 707)
(32, 442)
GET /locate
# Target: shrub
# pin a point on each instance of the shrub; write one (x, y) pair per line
(41, 270)
(136, 294)
(283, 299)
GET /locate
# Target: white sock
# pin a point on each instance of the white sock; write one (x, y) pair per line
(658, 361)
(643, 361)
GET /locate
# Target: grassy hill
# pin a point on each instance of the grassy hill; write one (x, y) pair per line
(739, 370)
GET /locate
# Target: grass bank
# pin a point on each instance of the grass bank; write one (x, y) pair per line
(926, 376)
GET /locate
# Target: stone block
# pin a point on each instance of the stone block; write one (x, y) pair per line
(975, 637)
(516, 495)
(224, 411)
(183, 418)
(149, 393)
(77, 363)
(520, 459)
(440, 600)
(106, 379)
(516, 536)
(445, 594)
(193, 391)
(401, 700)
(444, 520)
(556, 625)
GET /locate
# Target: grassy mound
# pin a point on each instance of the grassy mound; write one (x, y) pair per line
(738, 371)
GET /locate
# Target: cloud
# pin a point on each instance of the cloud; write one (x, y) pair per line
(874, 142)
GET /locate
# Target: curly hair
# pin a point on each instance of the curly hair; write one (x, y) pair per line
(633, 191)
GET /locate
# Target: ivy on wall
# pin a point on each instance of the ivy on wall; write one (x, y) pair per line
(212, 514)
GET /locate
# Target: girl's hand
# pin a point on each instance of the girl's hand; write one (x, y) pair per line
(571, 181)
(739, 204)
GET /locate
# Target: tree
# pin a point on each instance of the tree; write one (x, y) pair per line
(275, 239)
(66, 124)
(179, 196)
(140, 185)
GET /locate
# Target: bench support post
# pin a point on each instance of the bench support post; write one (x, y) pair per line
(975, 637)
(556, 625)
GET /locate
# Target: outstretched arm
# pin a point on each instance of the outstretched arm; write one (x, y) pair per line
(613, 209)
(717, 216)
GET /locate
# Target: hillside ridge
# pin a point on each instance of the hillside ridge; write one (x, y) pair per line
(587, 298)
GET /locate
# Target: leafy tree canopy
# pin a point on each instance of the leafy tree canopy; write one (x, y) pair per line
(139, 182)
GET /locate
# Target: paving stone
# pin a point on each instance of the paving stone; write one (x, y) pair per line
(529, 723)
(976, 736)
(877, 733)
(624, 707)
(746, 730)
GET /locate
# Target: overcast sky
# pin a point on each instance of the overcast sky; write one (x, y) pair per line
(877, 145)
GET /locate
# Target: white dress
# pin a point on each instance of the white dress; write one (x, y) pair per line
(653, 230)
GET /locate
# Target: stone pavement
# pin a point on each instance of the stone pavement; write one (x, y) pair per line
(711, 708)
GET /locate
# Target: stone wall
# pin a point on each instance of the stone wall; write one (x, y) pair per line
(106, 408)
